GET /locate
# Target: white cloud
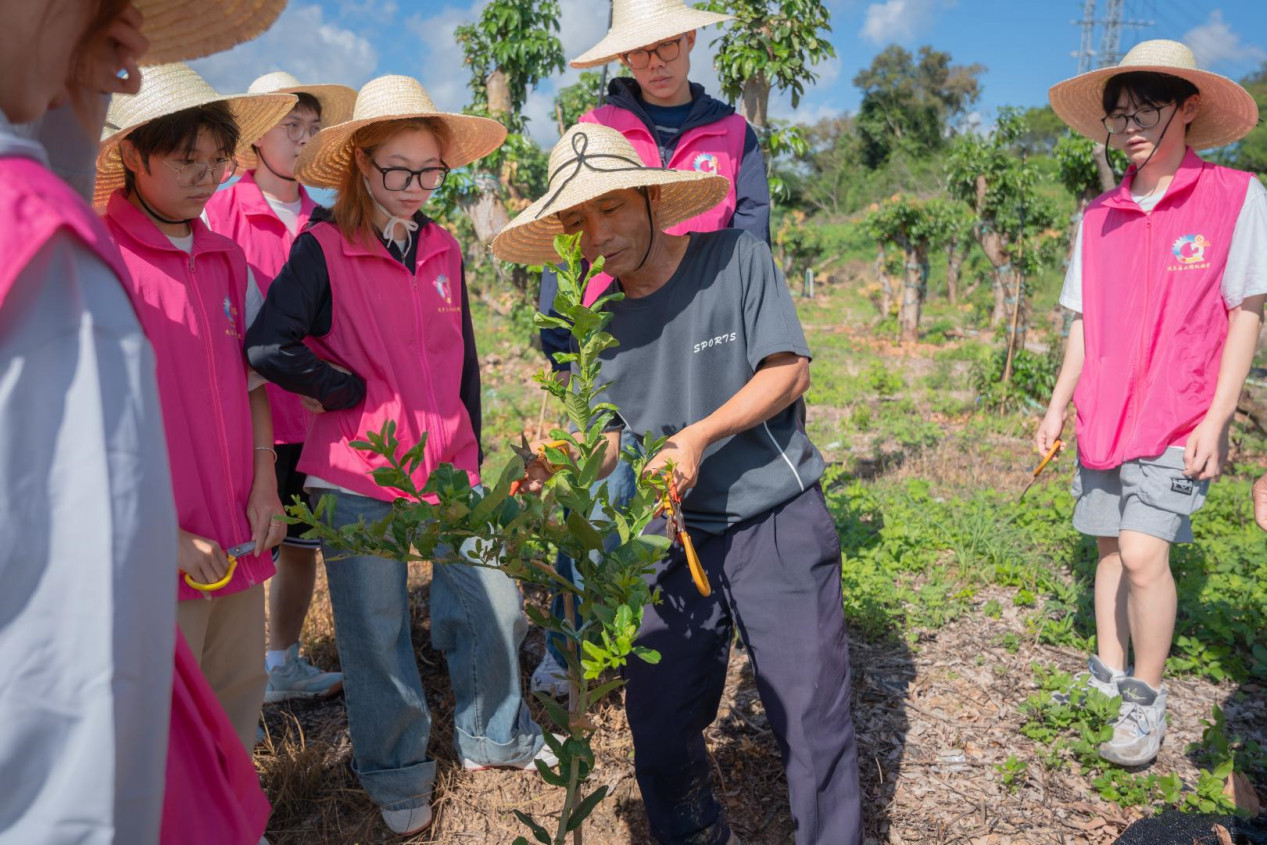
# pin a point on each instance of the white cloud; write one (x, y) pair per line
(899, 20)
(443, 72)
(376, 11)
(1216, 43)
(301, 42)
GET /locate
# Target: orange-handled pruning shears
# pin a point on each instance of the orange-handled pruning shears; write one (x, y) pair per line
(233, 554)
(676, 530)
(1051, 454)
(530, 457)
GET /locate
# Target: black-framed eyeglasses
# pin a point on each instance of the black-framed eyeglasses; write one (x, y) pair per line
(666, 50)
(400, 178)
(297, 132)
(1145, 118)
(191, 174)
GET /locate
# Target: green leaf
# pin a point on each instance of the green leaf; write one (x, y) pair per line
(585, 807)
(539, 833)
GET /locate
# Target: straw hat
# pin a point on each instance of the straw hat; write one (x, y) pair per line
(180, 30)
(1227, 112)
(589, 161)
(167, 89)
(639, 23)
(336, 104)
(328, 156)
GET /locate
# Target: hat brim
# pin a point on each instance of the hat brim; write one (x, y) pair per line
(647, 31)
(328, 156)
(1227, 113)
(529, 238)
(254, 114)
(180, 30)
(337, 102)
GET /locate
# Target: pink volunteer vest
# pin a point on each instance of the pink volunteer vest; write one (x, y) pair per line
(191, 308)
(402, 333)
(241, 214)
(714, 148)
(1153, 315)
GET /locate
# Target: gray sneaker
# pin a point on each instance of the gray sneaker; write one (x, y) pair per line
(297, 678)
(1097, 677)
(1140, 725)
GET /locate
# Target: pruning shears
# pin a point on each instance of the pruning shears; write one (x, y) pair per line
(1051, 454)
(529, 457)
(675, 530)
(233, 554)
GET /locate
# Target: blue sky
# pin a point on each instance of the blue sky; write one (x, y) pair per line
(1025, 44)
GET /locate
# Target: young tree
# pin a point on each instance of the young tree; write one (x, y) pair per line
(578, 98)
(954, 221)
(912, 104)
(771, 44)
(999, 186)
(915, 226)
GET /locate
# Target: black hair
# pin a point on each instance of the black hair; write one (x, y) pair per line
(1146, 88)
(179, 131)
(307, 102)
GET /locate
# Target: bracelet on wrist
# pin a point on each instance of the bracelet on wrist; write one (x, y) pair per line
(268, 449)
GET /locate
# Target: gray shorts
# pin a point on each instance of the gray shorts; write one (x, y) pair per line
(1148, 495)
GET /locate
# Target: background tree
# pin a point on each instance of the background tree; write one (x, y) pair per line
(1001, 189)
(509, 49)
(912, 104)
(1251, 153)
(916, 227)
(1043, 128)
(771, 44)
(578, 98)
(955, 225)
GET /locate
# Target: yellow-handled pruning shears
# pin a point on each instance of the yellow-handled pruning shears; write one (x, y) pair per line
(1048, 458)
(529, 458)
(233, 554)
(675, 530)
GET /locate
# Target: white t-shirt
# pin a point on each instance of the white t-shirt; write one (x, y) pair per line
(287, 212)
(1246, 272)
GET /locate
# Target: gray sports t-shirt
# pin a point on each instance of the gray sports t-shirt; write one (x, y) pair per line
(693, 344)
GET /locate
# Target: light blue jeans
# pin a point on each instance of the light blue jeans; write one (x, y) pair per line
(476, 620)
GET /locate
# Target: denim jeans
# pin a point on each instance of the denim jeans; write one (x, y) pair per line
(621, 487)
(476, 620)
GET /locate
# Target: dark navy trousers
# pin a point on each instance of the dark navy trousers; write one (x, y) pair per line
(775, 579)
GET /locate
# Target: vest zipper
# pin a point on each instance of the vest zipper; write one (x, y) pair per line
(216, 406)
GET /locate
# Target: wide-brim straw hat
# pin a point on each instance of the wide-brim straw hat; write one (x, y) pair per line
(336, 104)
(589, 161)
(1227, 112)
(328, 156)
(180, 30)
(641, 23)
(167, 89)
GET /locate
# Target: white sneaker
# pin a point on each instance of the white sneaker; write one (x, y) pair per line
(408, 821)
(544, 754)
(1140, 725)
(1097, 677)
(549, 677)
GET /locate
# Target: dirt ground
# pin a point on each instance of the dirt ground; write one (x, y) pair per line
(932, 722)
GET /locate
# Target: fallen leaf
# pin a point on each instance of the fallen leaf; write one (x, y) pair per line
(1241, 791)
(1225, 838)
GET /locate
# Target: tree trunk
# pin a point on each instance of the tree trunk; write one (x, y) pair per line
(954, 261)
(1016, 312)
(497, 89)
(756, 99)
(886, 286)
(912, 293)
(485, 208)
(1108, 179)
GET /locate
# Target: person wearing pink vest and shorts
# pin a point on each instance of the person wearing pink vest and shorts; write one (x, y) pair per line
(171, 145)
(1167, 281)
(370, 322)
(263, 212)
(100, 740)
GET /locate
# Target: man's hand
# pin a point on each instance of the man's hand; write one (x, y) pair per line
(202, 559)
(684, 450)
(1206, 451)
(1260, 502)
(261, 508)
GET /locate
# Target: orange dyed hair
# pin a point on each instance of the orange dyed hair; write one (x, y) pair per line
(354, 207)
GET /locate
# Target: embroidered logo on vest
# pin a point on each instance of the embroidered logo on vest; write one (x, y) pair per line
(705, 163)
(1190, 251)
(231, 314)
(443, 288)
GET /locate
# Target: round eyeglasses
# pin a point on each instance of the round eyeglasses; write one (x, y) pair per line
(191, 174)
(297, 132)
(666, 50)
(1145, 118)
(400, 178)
